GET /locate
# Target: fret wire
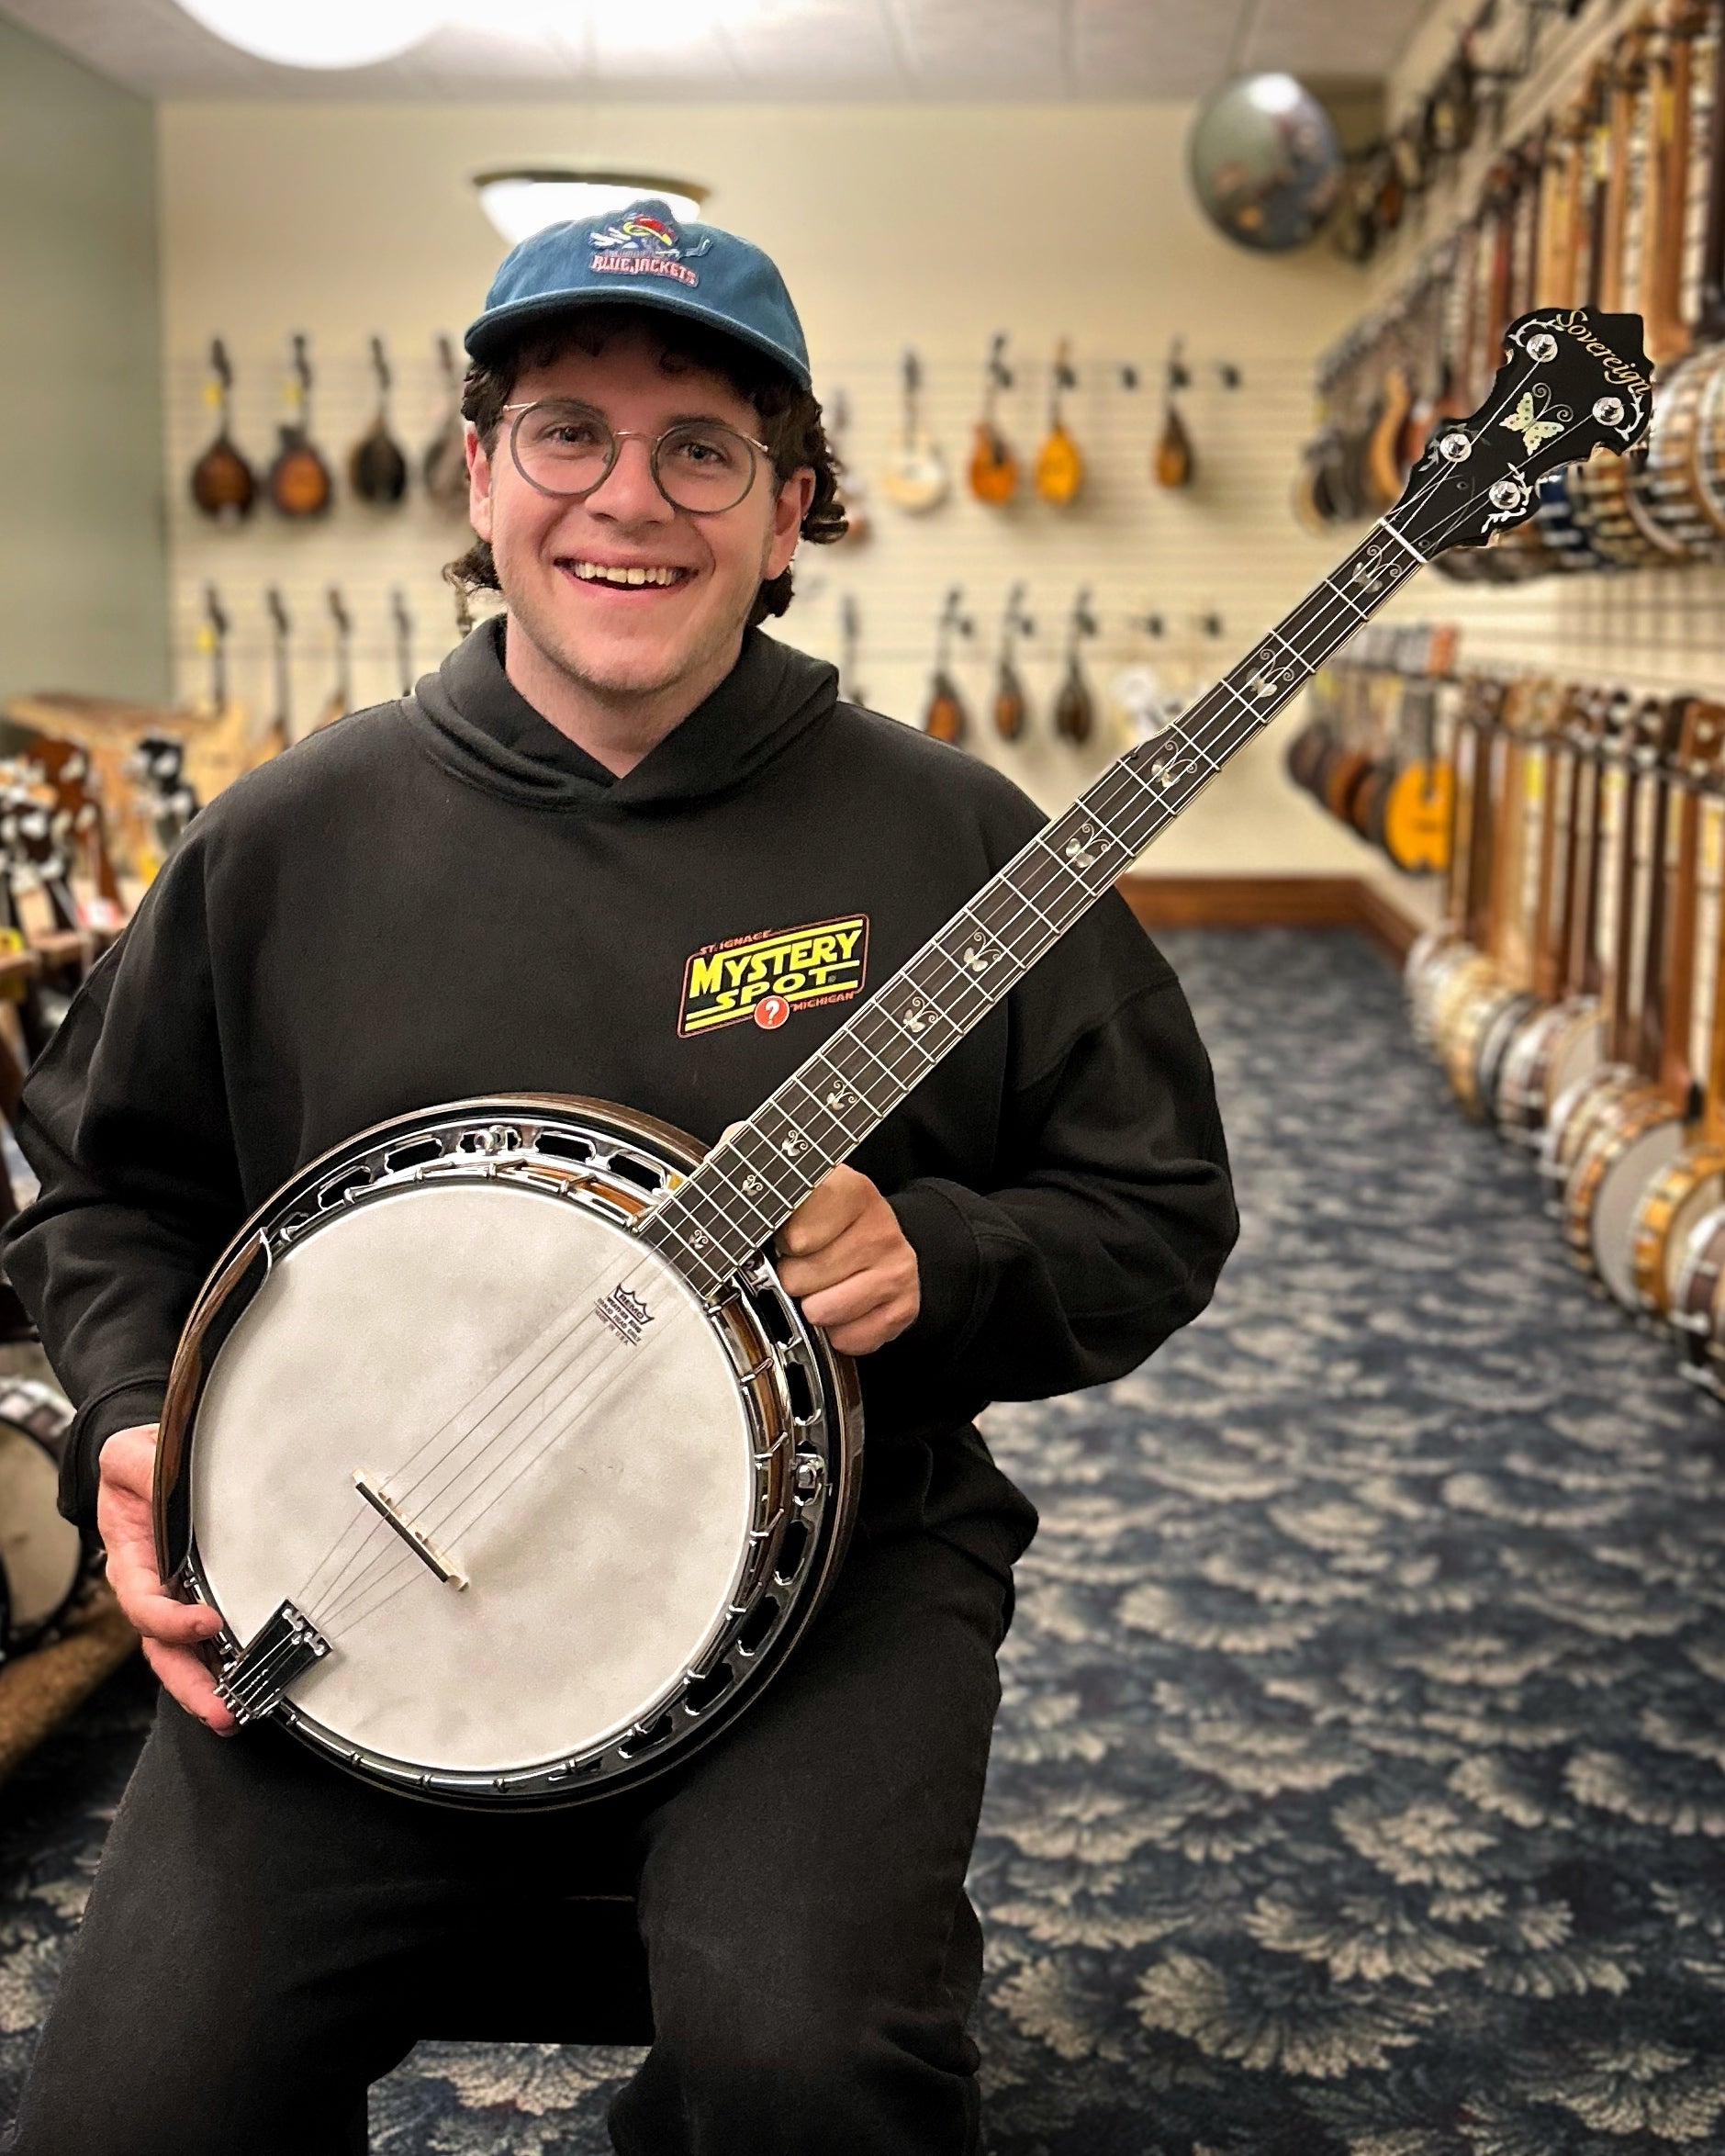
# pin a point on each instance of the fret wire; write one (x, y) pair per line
(1002, 935)
(910, 972)
(713, 1165)
(903, 1084)
(848, 1138)
(846, 1037)
(1037, 852)
(700, 1190)
(910, 1038)
(965, 979)
(779, 1160)
(1084, 813)
(658, 1228)
(843, 1081)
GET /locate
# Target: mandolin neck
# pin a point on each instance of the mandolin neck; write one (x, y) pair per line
(731, 1205)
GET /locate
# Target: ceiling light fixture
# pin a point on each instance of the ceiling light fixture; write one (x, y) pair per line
(318, 33)
(525, 199)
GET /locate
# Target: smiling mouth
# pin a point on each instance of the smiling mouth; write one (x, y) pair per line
(639, 575)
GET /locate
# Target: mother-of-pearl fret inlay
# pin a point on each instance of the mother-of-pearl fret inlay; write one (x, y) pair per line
(731, 1207)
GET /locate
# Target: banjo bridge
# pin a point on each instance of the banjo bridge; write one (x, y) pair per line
(283, 1648)
(426, 1553)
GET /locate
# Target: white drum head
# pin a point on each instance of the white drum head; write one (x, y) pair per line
(443, 1339)
(42, 1554)
(1618, 1200)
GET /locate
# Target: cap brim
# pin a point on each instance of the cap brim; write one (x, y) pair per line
(484, 336)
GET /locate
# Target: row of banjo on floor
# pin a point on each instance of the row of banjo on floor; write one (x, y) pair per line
(1573, 991)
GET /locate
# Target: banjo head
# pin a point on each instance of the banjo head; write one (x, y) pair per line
(553, 1518)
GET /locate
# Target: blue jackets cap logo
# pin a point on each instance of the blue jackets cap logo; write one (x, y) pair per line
(645, 246)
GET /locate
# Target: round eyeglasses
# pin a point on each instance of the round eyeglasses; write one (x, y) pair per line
(569, 449)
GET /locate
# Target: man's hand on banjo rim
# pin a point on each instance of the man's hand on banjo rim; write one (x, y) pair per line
(844, 1256)
(171, 1630)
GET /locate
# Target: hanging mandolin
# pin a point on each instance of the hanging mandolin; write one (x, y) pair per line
(223, 484)
(1011, 708)
(299, 483)
(1060, 461)
(994, 467)
(945, 717)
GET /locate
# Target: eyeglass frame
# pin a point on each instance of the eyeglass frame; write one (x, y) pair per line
(619, 436)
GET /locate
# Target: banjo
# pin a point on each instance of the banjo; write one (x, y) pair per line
(511, 1469)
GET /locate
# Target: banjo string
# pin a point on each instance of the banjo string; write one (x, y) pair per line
(537, 1351)
(508, 1435)
(1336, 609)
(562, 1416)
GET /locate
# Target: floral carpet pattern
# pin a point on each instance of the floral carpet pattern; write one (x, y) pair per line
(1359, 1784)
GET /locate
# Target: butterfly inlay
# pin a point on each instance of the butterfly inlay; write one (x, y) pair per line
(1536, 420)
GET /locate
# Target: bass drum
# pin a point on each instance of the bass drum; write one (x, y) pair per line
(42, 1555)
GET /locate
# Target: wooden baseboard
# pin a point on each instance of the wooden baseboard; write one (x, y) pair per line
(1272, 901)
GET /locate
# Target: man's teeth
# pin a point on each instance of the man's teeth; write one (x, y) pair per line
(593, 572)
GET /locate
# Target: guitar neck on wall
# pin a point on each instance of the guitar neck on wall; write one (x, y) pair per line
(1572, 381)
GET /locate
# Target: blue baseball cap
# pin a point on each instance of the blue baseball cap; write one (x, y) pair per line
(643, 255)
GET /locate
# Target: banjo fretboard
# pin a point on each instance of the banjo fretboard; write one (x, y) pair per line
(748, 1187)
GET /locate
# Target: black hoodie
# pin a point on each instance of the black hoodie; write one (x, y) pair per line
(443, 897)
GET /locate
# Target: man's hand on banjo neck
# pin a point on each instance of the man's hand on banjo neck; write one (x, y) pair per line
(844, 1256)
(171, 1630)
(841, 1254)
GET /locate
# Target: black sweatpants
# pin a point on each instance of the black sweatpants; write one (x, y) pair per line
(267, 1934)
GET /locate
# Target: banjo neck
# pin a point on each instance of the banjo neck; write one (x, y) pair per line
(724, 1214)
(1572, 380)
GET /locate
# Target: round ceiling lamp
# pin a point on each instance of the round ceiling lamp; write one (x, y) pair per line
(524, 201)
(318, 33)
(1265, 161)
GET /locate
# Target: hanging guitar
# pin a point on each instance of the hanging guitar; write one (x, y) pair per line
(513, 1469)
(914, 477)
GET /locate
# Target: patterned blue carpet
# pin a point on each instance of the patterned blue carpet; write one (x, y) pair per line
(1360, 1780)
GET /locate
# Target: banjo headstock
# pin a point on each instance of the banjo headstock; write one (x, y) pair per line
(1572, 380)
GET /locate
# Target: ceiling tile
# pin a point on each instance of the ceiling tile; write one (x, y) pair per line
(1040, 51)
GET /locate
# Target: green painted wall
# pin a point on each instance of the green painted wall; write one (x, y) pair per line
(82, 578)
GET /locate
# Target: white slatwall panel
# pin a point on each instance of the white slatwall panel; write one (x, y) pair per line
(1227, 547)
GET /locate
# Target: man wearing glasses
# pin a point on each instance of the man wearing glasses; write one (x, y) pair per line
(620, 844)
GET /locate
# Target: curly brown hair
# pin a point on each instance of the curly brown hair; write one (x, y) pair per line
(789, 416)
